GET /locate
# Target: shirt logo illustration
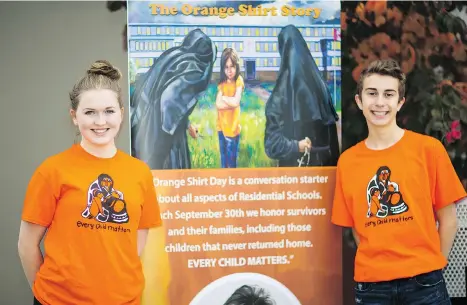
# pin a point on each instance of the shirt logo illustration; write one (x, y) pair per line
(384, 196)
(105, 203)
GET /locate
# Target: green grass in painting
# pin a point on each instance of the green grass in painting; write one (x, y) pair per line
(205, 150)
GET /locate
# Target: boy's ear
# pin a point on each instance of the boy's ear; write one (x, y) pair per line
(358, 101)
(401, 102)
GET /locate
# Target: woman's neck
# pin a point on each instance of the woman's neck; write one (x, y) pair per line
(100, 151)
(383, 137)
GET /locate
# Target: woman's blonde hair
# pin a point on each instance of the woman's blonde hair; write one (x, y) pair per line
(101, 75)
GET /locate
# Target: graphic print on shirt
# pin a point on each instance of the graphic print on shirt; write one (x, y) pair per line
(384, 196)
(105, 203)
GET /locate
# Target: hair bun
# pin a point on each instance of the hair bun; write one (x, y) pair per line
(105, 68)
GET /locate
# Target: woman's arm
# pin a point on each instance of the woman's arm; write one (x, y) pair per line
(142, 238)
(30, 236)
(235, 100)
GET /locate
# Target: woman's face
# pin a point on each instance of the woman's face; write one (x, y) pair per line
(230, 70)
(98, 117)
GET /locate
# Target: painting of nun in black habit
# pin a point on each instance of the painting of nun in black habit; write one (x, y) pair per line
(164, 98)
(301, 121)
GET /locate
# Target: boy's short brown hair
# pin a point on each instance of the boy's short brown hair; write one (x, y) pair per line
(387, 67)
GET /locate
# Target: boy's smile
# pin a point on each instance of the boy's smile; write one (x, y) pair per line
(379, 99)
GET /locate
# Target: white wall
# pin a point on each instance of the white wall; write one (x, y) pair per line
(44, 48)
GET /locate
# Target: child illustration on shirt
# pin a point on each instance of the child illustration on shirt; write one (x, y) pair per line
(384, 197)
(105, 203)
(230, 90)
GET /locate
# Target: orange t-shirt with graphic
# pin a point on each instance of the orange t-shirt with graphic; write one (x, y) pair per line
(93, 208)
(228, 120)
(389, 196)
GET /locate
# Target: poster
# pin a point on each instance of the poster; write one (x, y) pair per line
(235, 106)
(429, 39)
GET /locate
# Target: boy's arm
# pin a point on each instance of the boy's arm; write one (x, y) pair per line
(448, 192)
(355, 237)
(341, 212)
(447, 219)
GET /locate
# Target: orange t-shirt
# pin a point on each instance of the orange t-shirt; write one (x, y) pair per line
(93, 208)
(389, 196)
(228, 120)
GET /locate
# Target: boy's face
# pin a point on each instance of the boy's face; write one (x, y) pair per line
(380, 100)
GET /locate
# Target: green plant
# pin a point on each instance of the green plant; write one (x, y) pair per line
(429, 43)
(447, 112)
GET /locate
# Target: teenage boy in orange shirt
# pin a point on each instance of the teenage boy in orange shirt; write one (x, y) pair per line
(391, 189)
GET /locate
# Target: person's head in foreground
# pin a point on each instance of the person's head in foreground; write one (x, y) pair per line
(380, 93)
(97, 107)
(249, 295)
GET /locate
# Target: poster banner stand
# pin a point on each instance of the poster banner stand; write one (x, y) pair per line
(235, 106)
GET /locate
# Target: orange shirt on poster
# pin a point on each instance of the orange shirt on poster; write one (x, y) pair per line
(390, 197)
(93, 208)
(228, 120)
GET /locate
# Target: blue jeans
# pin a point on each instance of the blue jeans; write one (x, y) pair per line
(229, 150)
(424, 289)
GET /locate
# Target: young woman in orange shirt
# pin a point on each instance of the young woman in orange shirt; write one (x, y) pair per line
(96, 204)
